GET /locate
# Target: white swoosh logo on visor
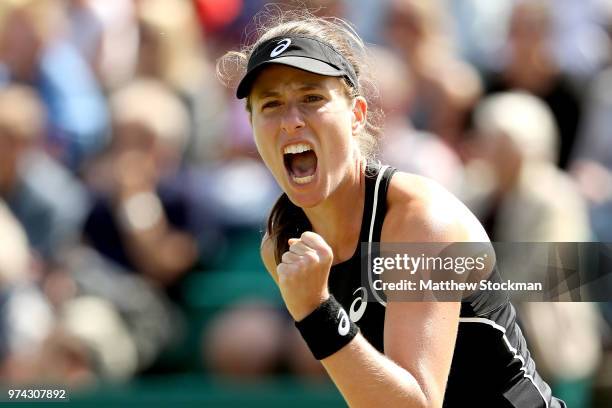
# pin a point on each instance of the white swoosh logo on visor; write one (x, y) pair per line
(282, 46)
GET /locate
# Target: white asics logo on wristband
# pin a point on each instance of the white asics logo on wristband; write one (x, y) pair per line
(344, 326)
(362, 301)
(282, 46)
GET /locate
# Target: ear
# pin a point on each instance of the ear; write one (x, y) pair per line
(359, 113)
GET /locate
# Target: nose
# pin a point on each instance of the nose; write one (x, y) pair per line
(292, 120)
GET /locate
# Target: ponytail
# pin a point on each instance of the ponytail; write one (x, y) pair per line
(286, 220)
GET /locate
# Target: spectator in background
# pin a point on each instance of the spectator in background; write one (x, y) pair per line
(47, 340)
(528, 64)
(30, 180)
(402, 146)
(140, 218)
(234, 334)
(517, 140)
(591, 163)
(26, 318)
(416, 30)
(591, 167)
(445, 88)
(474, 18)
(533, 201)
(106, 34)
(172, 49)
(460, 89)
(33, 50)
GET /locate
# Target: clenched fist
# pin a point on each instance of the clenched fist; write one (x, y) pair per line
(303, 274)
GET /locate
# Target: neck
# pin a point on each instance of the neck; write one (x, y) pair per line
(334, 219)
(534, 72)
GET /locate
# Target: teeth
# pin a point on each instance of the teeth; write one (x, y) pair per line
(303, 180)
(297, 148)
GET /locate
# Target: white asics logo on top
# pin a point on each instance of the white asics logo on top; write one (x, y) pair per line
(343, 326)
(282, 46)
(362, 301)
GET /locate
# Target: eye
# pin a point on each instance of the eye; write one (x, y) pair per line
(270, 104)
(312, 98)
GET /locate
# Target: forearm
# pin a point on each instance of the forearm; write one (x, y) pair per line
(366, 378)
(154, 246)
(162, 257)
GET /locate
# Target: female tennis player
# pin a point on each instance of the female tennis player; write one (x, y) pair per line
(304, 90)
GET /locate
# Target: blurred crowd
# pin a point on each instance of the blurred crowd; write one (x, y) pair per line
(126, 167)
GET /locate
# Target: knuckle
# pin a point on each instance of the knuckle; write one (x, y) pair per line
(302, 261)
(312, 256)
(285, 273)
(309, 237)
(328, 252)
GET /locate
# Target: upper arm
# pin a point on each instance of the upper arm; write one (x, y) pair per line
(420, 336)
(267, 256)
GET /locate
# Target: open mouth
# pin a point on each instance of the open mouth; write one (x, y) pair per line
(300, 162)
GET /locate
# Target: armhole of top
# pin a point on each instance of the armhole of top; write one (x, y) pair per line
(379, 209)
(381, 202)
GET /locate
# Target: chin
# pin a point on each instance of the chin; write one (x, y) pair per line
(305, 200)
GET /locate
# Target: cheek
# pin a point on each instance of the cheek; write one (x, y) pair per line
(342, 128)
(263, 135)
(338, 140)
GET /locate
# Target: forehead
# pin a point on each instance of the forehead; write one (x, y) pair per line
(277, 78)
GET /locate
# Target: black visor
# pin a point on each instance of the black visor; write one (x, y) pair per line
(300, 52)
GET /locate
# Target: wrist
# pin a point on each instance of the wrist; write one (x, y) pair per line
(302, 312)
(327, 328)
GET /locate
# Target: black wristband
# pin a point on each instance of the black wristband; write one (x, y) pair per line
(327, 329)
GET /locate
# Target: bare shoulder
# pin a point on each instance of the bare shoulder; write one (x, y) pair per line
(267, 255)
(421, 210)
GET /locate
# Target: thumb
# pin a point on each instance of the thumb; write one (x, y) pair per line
(293, 240)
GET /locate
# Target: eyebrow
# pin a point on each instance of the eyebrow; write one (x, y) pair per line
(304, 87)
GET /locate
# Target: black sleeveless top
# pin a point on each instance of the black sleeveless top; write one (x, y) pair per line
(491, 365)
